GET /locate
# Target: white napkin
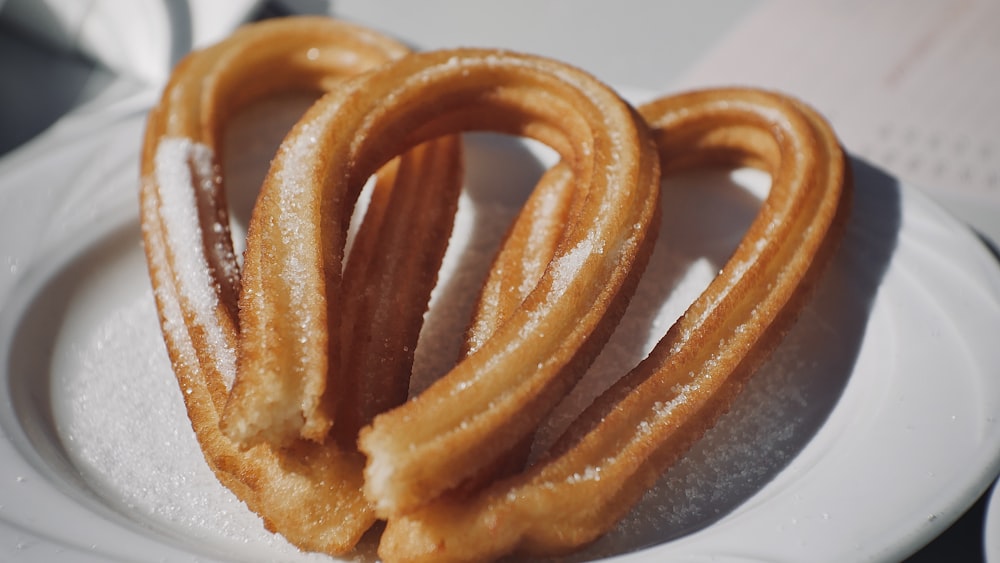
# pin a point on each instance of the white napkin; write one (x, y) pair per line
(142, 39)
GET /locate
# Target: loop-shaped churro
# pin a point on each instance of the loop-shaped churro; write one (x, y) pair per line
(496, 395)
(310, 493)
(286, 363)
(645, 422)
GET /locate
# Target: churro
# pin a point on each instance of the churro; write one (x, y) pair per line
(498, 394)
(307, 491)
(644, 423)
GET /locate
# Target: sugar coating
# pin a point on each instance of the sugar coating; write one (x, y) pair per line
(547, 206)
(175, 159)
(296, 177)
(567, 267)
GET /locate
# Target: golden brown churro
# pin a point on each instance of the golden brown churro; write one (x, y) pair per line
(643, 424)
(497, 395)
(389, 110)
(310, 493)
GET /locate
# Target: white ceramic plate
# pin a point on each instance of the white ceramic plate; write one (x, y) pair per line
(871, 430)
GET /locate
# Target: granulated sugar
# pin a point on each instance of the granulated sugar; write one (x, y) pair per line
(125, 428)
